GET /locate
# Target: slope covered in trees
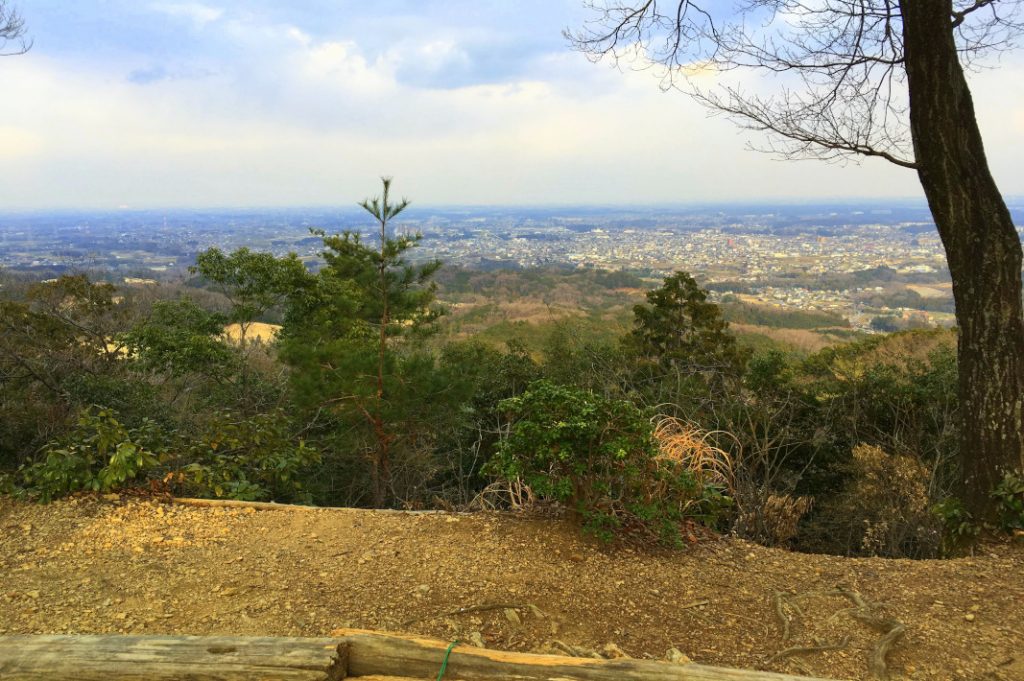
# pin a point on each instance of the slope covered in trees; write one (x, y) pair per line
(110, 387)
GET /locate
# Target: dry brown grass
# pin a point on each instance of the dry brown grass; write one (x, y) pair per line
(775, 521)
(688, 445)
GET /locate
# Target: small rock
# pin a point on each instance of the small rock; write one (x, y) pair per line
(676, 656)
(475, 638)
(969, 617)
(513, 617)
(32, 594)
(612, 652)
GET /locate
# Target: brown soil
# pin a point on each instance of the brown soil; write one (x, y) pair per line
(102, 566)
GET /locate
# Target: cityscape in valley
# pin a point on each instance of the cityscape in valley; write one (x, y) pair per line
(865, 261)
(621, 390)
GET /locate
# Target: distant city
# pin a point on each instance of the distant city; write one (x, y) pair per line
(801, 256)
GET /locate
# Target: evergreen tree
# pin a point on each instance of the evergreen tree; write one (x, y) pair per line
(353, 338)
(679, 328)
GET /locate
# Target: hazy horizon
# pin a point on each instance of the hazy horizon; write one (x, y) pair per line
(419, 206)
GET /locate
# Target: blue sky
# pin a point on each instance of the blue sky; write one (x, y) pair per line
(146, 103)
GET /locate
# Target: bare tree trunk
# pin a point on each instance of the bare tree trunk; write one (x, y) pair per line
(982, 247)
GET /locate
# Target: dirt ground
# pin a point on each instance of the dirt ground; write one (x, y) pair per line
(144, 567)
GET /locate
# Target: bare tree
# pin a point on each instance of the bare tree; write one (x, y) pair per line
(12, 31)
(881, 78)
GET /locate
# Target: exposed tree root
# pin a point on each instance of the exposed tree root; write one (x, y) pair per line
(808, 650)
(892, 630)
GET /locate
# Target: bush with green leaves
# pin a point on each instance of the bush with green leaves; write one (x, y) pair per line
(598, 456)
(1009, 495)
(99, 454)
(250, 459)
(959, 529)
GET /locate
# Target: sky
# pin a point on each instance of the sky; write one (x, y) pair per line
(141, 104)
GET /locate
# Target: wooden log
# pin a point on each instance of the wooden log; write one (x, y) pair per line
(274, 506)
(354, 653)
(375, 653)
(170, 658)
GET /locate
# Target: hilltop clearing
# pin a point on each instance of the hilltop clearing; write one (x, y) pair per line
(103, 566)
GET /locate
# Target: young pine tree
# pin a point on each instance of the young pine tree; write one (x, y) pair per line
(351, 339)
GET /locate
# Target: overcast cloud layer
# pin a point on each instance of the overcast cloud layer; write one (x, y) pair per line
(258, 103)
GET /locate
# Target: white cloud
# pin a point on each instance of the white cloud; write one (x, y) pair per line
(294, 119)
(340, 64)
(198, 13)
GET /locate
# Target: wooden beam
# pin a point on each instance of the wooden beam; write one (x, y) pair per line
(170, 658)
(352, 653)
(274, 506)
(375, 653)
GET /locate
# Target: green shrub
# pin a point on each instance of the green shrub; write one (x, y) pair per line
(599, 457)
(1009, 495)
(248, 459)
(99, 454)
(959, 530)
(245, 458)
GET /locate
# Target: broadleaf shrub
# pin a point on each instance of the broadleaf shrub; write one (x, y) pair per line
(598, 456)
(248, 459)
(1009, 495)
(98, 454)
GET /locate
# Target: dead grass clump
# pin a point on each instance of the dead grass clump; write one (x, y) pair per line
(687, 445)
(775, 521)
(504, 495)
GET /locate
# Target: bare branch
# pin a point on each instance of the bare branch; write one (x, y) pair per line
(844, 58)
(12, 31)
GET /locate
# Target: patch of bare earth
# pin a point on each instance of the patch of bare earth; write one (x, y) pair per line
(140, 567)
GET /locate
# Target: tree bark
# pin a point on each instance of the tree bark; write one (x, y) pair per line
(982, 247)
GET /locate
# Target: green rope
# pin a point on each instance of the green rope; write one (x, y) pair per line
(444, 663)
